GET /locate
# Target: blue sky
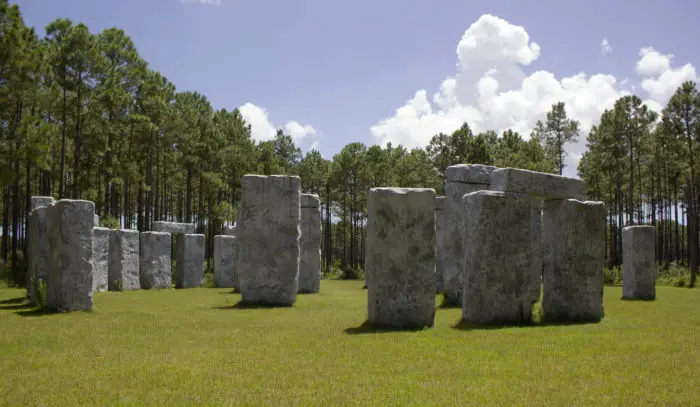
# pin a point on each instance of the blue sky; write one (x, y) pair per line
(329, 71)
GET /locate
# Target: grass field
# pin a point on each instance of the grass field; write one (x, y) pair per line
(192, 347)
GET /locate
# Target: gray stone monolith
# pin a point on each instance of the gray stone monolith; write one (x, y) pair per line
(39, 201)
(69, 283)
(440, 243)
(502, 257)
(97, 221)
(224, 247)
(173, 228)
(310, 244)
(400, 257)
(38, 252)
(267, 245)
(155, 268)
(123, 272)
(100, 259)
(540, 185)
(189, 260)
(639, 262)
(459, 180)
(574, 239)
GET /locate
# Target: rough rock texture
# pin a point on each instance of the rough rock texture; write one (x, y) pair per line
(155, 269)
(502, 257)
(124, 260)
(574, 239)
(537, 184)
(97, 221)
(172, 227)
(38, 201)
(267, 233)
(189, 260)
(439, 243)
(639, 262)
(459, 180)
(310, 244)
(224, 247)
(100, 259)
(400, 258)
(70, 274)
(38, 251)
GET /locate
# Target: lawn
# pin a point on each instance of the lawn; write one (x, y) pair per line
(192, 347)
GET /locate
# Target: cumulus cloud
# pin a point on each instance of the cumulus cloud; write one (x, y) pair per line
(262, 128)
(490, 90)
(605, 47)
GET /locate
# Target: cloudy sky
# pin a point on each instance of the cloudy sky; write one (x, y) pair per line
(331, 72)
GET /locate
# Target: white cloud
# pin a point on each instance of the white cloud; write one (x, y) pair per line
(205, 2)
(263, 129)
(491, 91)
(605, 47)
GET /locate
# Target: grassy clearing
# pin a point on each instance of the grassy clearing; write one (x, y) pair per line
(192, 347)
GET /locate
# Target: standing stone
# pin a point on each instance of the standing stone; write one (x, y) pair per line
(123, 270)
(38, 251)
(224, 246)
(439, 243)
(267, 233)
(639, 262)
(155, 269)
(39, 201)
(400, 258)
(502, 257)
(172, 227)
(574, 239)
(100, 259)
(459, 180)
(97, 221)
(540, 185)
(70, 274)
(310, 244)
(189, 260)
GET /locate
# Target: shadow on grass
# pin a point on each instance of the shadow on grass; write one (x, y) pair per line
(17, 306)
(470, 326)
(16, 300)
(369, 328)
(252, 305)
(638, 299)
(37, 312)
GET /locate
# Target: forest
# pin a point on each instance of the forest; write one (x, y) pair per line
(82, 116)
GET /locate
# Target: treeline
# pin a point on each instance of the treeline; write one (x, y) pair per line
(82, 116)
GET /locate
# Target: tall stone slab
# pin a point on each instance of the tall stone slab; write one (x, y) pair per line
(574, 239)
(39, 201)
(38, 251)
(224, 246)
(70, 273)
(459, 180)
(189, 260)
(539, 185)
(267, 245)
(502, 257)
(97, 221)
(440, 243)
(639, 263)
(400, 257)
(310, 244)
(155, 269)
(100, 259)
(123, 273)
(173, 228)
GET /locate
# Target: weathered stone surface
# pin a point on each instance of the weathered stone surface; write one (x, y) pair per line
(97, 220)
(172, 227)
(639, 262)
(100, 259)
(502, 257)
(70, 273)
(224, 247)
(574, 239)
(38, 251)
(189, 260)
(456, 186)
(439, 243)
(38, 201)
(155, 269)
(267, 245)
(310, 244)
(537, 184)
(400, 257)
(123, 272)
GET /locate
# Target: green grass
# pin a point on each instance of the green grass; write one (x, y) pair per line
(191, 347)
